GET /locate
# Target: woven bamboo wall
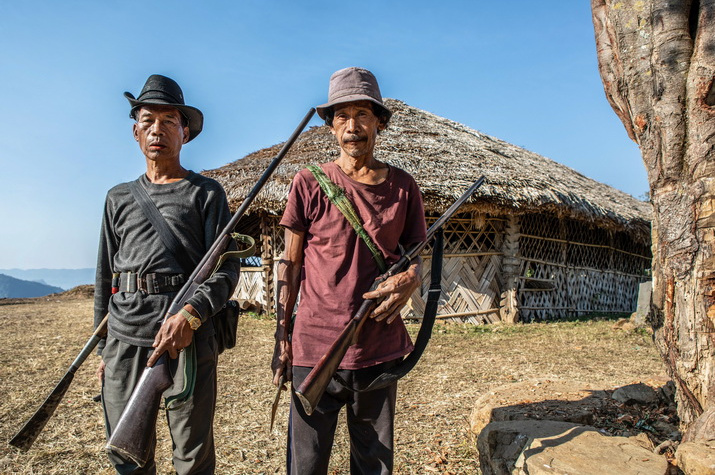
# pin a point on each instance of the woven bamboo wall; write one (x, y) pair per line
(250, 285)
(470, 271)
(469, 278)
(557, 268)
(252, 282)
(569, 269)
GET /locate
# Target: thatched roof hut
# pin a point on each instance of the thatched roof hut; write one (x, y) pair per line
(525, 197)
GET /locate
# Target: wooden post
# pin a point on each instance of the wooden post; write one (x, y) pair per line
(509, 305)
(267, 252)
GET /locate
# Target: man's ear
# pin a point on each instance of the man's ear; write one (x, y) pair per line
(186, 134)
(134, 132)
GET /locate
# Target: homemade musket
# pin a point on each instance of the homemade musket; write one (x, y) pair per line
(133, 434)
(312, 388)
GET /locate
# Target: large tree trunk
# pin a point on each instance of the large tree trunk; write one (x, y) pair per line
(657, 62)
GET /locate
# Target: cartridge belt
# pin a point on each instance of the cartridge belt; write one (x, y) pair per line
(151, 283)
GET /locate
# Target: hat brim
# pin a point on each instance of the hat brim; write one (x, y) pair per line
(350, 98)
(194, 116)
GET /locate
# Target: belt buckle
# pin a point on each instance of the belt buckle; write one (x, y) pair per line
(152, 286)
(141, 283)
(132, 281)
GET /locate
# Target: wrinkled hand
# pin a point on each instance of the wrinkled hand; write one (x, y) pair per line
(396, 290)
(174, 335)
(100, 371)
(282, 364)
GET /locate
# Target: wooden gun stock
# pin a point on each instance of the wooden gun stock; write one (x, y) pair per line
(132, 436)
(313, 386)
(138, 420)
(32, 428)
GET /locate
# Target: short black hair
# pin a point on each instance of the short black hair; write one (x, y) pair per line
(380, 112)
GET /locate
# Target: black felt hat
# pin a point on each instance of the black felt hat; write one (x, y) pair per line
(165, 91)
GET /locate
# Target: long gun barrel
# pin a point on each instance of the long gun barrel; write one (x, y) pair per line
(312, 388)
(132, 436)
(26, 436)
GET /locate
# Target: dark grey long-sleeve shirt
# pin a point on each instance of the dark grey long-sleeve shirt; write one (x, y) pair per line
(196, 210)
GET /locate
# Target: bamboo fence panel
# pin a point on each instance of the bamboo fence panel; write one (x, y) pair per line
(250, 285)
(557, 268)
(569, 269)
(472, 261)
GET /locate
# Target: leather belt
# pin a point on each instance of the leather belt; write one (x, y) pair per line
(152, 283)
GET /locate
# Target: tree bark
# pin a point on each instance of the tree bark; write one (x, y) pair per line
(657, 62)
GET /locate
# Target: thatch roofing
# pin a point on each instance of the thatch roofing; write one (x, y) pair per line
(445, 157)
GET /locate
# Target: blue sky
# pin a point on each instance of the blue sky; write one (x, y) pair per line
(525, 73)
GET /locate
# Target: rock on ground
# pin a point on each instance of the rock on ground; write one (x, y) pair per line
(582, 451)
(642, 313)
(547, 426)
(549, 447)
(500, 443)
(703, 429)
(555, 400)
(696, 458)
(696, 455)
(637, 393)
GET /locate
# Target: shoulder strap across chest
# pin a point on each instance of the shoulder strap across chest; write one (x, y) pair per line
(337, 196)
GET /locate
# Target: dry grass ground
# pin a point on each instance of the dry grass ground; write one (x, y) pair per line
(41, 337)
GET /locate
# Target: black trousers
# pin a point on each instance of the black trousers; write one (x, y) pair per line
(370, 419)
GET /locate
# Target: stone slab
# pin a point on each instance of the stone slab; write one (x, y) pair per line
(500, 443)
(696, 458)
(588, 452)
(549, 447)
(645, 292)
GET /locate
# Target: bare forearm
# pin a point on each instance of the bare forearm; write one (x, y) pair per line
(289, 270)
(288, 284)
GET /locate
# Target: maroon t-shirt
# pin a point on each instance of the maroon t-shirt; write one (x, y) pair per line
(338, 267)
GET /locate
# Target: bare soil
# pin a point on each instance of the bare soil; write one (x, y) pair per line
(40, 338)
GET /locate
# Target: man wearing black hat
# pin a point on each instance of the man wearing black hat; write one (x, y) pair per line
(138, 277)
(333, 264)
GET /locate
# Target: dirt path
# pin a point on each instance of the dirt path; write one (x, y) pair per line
(41, 337)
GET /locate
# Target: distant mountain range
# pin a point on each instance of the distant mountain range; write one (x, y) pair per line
(65, 279)
(11, 287)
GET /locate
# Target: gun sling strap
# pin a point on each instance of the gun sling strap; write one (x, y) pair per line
(170, 240)
(337, 196)
(423, 336)
(185, 370)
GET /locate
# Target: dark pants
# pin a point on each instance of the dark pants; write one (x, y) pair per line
(370, 418)
(191, 425)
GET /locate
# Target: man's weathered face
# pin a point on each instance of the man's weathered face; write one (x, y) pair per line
(355, 125)
(160, 132)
